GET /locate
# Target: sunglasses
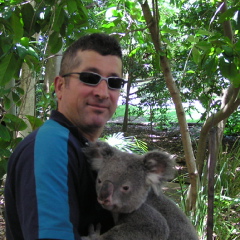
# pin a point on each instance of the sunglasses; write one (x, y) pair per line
(93, 79)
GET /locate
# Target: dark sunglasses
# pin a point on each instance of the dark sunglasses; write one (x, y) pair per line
(93, 79)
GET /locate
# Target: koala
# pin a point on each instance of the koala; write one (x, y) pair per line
(129, 185)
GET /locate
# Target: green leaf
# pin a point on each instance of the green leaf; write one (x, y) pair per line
(24, 41)
(57, 47)
(237, 45)
(15, 1)
(34, 121)
(5, 144)
(18, 68)
(192, 39)
(55, 42)
(16, 99)
(15, 123)
(228, 51)
(4, 153)
(190, 71)
(82, 11)
(6, 25)
(224, 68)
(5, 45)
(28, 18)
(7, 103)
(227, 15)
(230, 71)
(211, 66)
(134, 51)
(17, 26)
(32, 62)
(16, 141)
(236, 80)
(196, 55)
(33, 53)
(204, 45)
(129, 5)
(19, 90)
(53, 38)
(4, 133)
(166, 29)
(71, 6)
(22, 51)
(109, 25)
(202, 32)
(7, 68)
(59, 18)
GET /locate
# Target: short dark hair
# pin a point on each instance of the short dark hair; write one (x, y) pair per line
(99, 42)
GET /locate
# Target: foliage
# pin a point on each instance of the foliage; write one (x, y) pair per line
(45, 101)
(191, 32)
(227, 198)
(233, 124)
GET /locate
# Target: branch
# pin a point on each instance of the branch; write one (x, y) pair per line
(227, 27)
(152, 25)
(52, 56)
(212, 121)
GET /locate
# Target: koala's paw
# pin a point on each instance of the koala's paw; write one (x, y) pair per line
(93, 234)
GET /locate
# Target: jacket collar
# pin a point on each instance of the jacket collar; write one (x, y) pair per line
(61, 119)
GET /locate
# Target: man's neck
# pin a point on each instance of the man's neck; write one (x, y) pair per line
(91, 135)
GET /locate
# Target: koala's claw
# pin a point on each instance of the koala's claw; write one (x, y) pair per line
(93, 234)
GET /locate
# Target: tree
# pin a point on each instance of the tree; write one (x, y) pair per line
(152, 20)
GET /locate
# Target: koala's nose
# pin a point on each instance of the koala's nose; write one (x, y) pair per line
(105, 193)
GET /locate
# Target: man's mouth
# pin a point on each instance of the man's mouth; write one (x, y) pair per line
(100, 106)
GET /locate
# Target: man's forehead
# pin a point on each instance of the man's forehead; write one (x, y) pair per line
(93, 61)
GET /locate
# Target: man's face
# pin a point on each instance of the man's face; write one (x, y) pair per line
(89, 107)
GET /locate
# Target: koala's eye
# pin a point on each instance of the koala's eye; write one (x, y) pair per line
(125, 188)
(99, 181)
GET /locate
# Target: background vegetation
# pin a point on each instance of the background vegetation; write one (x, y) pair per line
(182, 55)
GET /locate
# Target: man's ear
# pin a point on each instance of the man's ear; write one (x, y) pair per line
(58, 85)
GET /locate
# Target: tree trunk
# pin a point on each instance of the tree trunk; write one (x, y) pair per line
(212, 160)
(52, 69)
(126, 113)
(28, 101)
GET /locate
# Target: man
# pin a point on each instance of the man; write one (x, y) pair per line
(50, 189)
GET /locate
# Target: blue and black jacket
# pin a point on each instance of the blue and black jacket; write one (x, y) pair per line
(50, 189)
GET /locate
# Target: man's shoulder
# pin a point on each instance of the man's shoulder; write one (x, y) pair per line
(48, 132)
(53, 127)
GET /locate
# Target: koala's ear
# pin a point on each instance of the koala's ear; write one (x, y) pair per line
(159, 166)
(97, 152)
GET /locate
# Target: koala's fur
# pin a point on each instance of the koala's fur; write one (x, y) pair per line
(128, 185)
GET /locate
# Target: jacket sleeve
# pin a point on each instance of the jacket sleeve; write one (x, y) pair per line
(43, 189)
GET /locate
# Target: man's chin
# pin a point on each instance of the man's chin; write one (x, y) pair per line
(97, 123)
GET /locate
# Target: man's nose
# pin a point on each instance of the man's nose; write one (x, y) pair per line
(101, 90)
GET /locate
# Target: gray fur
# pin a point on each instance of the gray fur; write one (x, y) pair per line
(129, 186)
